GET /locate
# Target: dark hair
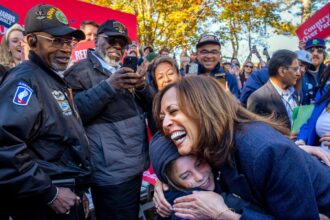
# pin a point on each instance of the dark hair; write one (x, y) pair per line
(88, 22)
(164, 50)
(236, 63)
(324, 79)
(148, 48)
(160, 60)
(281, 58)
(215, 112)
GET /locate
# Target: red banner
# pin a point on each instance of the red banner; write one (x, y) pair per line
(317, 26)
(76, 12)
(80, 51)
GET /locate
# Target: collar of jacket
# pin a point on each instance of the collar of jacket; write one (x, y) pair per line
(35, 58)
(95, 62)
(202, 70)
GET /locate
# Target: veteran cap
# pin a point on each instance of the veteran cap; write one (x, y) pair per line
(49, 19)
(316, 42)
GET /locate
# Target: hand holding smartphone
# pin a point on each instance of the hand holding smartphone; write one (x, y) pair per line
(131, 62)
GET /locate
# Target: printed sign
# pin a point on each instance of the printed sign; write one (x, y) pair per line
(317, 26)
(7, 17)
(80, 51)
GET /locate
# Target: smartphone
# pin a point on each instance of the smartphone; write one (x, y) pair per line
(221, 77)
(131, 62)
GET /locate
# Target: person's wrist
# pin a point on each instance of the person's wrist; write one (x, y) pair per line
(55, 197)
(227, 214)
(222, 213)
(300, 142)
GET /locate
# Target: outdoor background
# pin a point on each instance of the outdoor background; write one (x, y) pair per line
(239, 24)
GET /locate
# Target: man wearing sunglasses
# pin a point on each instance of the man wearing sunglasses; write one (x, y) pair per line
(312, 77)
(44, 166)
(110, 100)
(209, 57)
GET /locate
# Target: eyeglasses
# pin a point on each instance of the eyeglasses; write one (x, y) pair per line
(319, 50)
(295, 69)
(211, 52)
(248, 66)
(59, 41)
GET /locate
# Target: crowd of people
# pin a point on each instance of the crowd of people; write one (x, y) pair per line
(222, 142)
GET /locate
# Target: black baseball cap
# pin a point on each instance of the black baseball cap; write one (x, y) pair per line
(50, 19)
(207, 39)
(113, 28)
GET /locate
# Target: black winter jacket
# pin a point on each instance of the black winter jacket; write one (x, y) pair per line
(41, 135)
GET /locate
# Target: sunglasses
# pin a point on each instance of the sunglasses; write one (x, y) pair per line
(248, 66)
(115, 40)
(60, 42)
(319, 50)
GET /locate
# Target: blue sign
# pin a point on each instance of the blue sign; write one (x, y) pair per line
(7, 17)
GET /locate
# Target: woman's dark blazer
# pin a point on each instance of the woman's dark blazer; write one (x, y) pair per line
(271, 171)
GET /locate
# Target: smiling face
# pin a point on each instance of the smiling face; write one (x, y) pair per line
(178, 126)
(90, 32)
(111, 49)
(317, 56)
(14, 44)
(209, 56)
(188, 172)
(55, 56)
(165, 74)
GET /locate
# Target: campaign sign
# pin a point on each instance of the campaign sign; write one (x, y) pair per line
(317, 26)
(7, 17)
(80, 50)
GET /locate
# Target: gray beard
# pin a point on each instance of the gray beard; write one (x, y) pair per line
(111, 62)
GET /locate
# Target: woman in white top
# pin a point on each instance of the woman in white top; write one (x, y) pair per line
(316, 132)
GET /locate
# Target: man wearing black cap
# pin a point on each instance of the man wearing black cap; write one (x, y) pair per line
(209, 56)
(110, 100)
(44, 150)
(312, 77)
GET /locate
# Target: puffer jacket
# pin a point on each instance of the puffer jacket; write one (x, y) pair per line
(114, 122)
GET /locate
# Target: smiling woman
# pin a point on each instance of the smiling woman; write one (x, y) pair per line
(165, 71)
(249, 151)
(11, 52)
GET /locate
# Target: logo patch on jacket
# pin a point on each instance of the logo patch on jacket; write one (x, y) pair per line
(62, 102)
(23, 94)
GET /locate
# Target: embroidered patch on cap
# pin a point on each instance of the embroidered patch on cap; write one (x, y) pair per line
(315, 41)
(40, 15)
(61, 17)
(23, 94)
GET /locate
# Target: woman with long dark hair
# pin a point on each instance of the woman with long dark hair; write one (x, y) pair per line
(251, 154)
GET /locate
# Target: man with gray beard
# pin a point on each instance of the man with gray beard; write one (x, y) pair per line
(110, 101)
